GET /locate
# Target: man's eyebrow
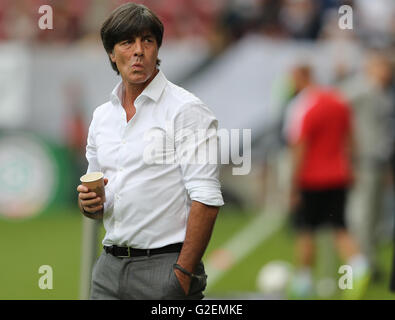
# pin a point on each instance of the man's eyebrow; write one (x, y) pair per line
(148, 35)
(142, 35)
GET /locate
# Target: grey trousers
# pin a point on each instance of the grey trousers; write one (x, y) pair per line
(142, 278)
(364, 210)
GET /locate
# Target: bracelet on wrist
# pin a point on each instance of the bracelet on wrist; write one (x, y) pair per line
(183, 270)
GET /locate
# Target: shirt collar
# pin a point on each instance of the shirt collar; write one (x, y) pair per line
(153, 90)
(156, 86)
(116, 94)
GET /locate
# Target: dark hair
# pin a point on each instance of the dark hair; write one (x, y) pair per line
(129, 21)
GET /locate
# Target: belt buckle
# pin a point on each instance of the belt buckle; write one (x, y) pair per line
(128, 256)
(109, 249)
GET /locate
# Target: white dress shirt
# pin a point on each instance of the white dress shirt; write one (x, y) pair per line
(148, 200)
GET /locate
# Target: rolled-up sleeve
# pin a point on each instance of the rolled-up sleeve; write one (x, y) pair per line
(196, 144)
(93, 163)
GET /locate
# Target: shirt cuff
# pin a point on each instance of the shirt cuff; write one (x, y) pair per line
(210, 196)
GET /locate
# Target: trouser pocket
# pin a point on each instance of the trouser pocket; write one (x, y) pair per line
(196, 288)
(198, 283)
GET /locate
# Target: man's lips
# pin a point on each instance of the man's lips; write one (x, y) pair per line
(137, 66)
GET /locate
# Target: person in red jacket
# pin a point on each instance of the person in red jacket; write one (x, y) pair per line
(319, 131)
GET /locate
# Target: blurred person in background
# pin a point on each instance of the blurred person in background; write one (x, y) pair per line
(301, 18)
(375, 22)
(158, 217)
(369, 94)
(269, 21)
(17, 21)
(240, 17)
(318, 128)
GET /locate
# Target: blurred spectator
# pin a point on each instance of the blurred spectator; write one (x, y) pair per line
(370, 97)
(68, 17)
(96, 13)
(4, 5)
(270, 24)
(18, 21)
(218, 22)
(375, 21)
(319, 132)
(301, 18)
(241, 17)
(77, 19)
(330, 22)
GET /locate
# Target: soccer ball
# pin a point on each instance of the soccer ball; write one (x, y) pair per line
(274, 277)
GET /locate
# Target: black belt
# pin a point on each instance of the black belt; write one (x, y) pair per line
(127, 252)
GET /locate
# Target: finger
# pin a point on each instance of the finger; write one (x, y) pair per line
(93, 209)
(82, 188)
(87, 196)
(91, 202)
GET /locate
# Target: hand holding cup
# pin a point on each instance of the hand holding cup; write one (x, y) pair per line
(92, 194)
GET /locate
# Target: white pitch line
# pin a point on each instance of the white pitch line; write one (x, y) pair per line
(257, 231)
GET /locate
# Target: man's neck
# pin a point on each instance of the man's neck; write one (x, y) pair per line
(131, 90)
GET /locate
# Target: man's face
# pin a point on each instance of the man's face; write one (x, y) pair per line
(136, 58)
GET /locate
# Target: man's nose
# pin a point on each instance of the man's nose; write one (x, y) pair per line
(139, 49)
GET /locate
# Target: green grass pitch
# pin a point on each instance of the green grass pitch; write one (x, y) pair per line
(55, 240)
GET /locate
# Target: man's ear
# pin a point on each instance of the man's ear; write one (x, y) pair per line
(112, 56)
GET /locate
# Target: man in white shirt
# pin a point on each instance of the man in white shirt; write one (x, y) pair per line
(161, 204)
